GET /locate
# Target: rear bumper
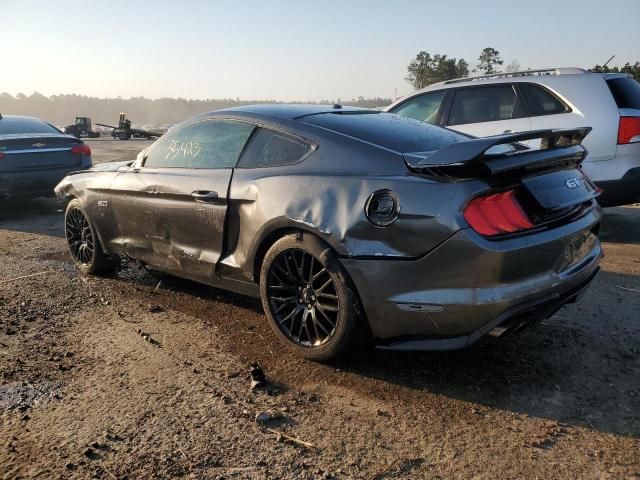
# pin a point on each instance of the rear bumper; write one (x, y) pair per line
(469, 285)
(34, 183)
(511, 319)
(621, 192)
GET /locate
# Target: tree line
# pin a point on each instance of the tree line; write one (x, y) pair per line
(426, 69)
(61, 110)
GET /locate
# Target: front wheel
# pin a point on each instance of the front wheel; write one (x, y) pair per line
(83, 243)
(306, 297)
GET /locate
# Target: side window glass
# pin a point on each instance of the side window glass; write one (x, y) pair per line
(540, 101)
(268, 148)
(204, 144)
(485, 104)
(424, 108)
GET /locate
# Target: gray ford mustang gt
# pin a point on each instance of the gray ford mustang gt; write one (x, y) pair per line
(349, 222)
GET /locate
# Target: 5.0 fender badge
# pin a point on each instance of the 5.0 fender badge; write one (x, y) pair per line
(102, 203)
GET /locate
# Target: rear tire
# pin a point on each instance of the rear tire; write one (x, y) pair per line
(84, 245)
(306, 297)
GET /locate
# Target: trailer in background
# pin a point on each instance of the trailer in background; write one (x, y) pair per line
(124, 131)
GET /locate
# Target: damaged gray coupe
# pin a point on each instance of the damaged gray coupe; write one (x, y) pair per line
(350, 223)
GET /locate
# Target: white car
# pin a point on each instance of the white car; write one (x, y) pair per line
(547, 99)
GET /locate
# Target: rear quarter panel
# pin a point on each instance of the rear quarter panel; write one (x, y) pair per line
(332, 206)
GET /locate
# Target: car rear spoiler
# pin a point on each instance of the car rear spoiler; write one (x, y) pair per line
(557, 146)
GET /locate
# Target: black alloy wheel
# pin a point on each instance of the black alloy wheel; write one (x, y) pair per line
(306, 296)
(84, 244)
(79, 236)
(303, 298)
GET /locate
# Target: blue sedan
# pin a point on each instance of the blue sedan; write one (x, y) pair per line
(35, 156)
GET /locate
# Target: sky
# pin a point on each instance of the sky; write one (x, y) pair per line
(286, 50)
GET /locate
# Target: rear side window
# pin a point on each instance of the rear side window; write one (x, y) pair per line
(205, 144)
(626, 92)
(10, 126)
(485, 104)
(268, 148)
(387, 130)
(540, 101)
(424, 108)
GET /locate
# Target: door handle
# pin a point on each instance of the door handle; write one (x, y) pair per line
(508, 131)
(205, 196)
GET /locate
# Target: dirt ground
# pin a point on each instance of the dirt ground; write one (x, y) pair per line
(83, 395)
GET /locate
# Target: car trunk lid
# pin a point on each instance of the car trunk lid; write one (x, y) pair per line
(547, 183)
(25, 152)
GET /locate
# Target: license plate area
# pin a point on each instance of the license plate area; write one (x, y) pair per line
(560, 189)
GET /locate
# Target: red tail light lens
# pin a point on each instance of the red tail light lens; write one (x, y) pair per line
(81, 150)
(1, 155)
(629, 130)
(496, 214)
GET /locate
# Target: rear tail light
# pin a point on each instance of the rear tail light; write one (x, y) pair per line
(629, 130)
(81, 150)
(1, 155)
(496, 214)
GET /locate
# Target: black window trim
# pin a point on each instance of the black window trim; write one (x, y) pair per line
(516, 92)
(523, 99)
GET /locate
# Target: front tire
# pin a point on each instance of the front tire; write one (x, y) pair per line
(306, 297)
(84, 244)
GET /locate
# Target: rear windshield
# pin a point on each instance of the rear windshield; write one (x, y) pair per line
(11, 125)
(394, 132)
(626, 92)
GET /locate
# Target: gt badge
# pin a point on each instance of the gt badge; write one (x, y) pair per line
(573, 182)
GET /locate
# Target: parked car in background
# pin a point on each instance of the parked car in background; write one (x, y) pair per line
(35, 156)
(550, 98)
(347, 221)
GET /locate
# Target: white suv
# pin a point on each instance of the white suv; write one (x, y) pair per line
(543, 99)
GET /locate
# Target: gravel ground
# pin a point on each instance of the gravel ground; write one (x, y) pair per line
(84, 395)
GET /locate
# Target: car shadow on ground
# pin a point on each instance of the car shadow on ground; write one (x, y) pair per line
(40, 215)
(579, 367)
(621, 225)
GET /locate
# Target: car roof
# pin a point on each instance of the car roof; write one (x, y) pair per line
(18, 117)
(542, 72)
(504, 77)
(290, 111)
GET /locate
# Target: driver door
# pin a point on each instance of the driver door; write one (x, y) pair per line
(171, 205)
